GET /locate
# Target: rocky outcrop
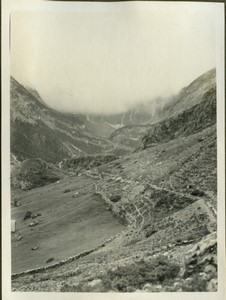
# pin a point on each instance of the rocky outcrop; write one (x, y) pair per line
(202, 258)
(87, 162)
(33, 173)
(189, 122)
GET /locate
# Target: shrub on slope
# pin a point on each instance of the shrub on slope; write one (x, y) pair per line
(34, 173)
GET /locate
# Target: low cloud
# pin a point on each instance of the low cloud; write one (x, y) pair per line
(107, 62)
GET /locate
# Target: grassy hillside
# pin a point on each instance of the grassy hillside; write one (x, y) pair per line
(70, 220)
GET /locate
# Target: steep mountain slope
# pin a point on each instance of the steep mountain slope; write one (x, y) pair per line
(39, 131)
(179, 110)
(188, 96)
(197, 118)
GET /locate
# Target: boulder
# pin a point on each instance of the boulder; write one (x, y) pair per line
(197, 193)
(212, 285)
(95, 286)
(210, 269)
(28, 215)
(147, 287)
(115, 198)
(118, 179)
(35, 248)
(50, 260)
(32, 224)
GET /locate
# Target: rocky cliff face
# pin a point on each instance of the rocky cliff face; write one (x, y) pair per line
(190, 121)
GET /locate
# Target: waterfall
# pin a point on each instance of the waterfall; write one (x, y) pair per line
(122, 122)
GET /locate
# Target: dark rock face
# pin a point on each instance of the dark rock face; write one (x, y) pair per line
(189, 122)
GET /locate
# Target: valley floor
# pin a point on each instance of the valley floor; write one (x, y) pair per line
(70, 220)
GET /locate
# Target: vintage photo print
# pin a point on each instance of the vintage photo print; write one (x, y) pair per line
(113, 149)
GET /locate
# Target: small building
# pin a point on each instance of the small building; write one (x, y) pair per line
(13, 225)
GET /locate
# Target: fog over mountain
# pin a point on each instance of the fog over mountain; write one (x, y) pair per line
(97, 62)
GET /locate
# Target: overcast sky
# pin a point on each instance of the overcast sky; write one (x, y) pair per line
(105, 61)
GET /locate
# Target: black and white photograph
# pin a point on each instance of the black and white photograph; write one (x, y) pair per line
(116, 114)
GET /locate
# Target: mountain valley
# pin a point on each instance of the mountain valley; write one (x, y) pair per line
(112, 208)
